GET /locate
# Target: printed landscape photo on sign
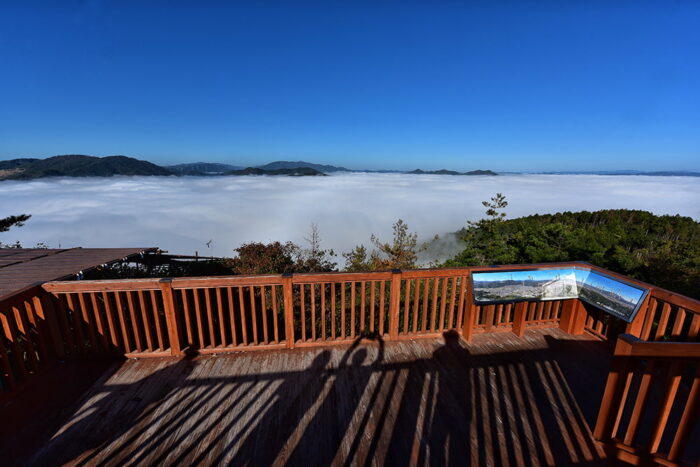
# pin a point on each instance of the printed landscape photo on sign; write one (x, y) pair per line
(619, 298)
(532, 284)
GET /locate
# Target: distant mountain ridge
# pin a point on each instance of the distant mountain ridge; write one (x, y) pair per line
(292, 172)
(300, 164)
(451, 172)
(77, 165)
(202, 168)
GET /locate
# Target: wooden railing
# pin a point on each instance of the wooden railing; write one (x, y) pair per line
(166, 317)
(657, 381)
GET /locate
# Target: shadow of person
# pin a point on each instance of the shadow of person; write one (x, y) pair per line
(433, 424)
(109, 410)
(273, 428)
(339, 420)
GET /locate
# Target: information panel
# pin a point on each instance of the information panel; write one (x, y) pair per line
(615, 296)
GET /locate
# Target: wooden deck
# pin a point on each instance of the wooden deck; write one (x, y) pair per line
(501, 400)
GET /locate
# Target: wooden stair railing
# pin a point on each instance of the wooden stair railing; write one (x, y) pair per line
(657, 382)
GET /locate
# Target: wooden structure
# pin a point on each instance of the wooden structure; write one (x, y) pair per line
(648, 412)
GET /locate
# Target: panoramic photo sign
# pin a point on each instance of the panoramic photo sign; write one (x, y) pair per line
(532, 284)
(616, 297)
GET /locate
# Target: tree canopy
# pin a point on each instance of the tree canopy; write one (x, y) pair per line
(661, 250)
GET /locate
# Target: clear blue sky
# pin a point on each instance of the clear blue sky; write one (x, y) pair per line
(511, 86)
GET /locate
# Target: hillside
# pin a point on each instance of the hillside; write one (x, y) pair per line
(662, 250)
(297, 172)
(450, 172)
(301, 164)
(77, 166)
(202, 168)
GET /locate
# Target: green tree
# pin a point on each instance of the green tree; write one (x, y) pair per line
(13, 221)
(400, 253)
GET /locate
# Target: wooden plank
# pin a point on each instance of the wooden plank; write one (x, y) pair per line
(333, 311)
(88, 323)
(198, 318)
(443, 305)
(210, 316)
(244, 326)
(288, 311)
(450, 317)
(186, 312)
(110, 321)
(674, 380)
(146, 322)
(416, 303)
(263, 310)
(101, 330)
(220, 315)
(394, 305)
(171, 317)
(275, 311)
(663, 322)
(322, 287)
(382, 308)
(342, 309)
(122, 322)
(302, 304)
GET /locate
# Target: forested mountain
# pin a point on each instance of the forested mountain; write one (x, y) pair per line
(451, 172)
(77, 166)
(300, 164)
(297, 172)
(202, 168)
(661, 250)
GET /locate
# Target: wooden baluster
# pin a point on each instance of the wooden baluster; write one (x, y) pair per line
(450, 318)
(678, 324)
(650, 311)
(40, 333)
(352, 310)
(612, 397)
(220, 314)
(186, 312)
(416, 310)
(434, 308)
(244, 326)
(288, 309)
(688, 419)
(342, 310)
(210, 317)
(363, 303)
(263, 307)
(110, 321)
(146, 321)
(23, 330)
(312, 292)
(372, 299)
(424, 322)
(198, 317)
(7, 374)
(443, 305)
(101, 331)
(322, 286)
(333, 311)
(63, 323)
(122, 322)
(673, 381)
(382, 311)
(275, 310)
(11, 336)
(47, 312)
(232, 316)
(171, 321)
(519, 319)
(302, 288)
(395, 304)
(407, 306)
(460, 309)
(91, 329)
(663, 322)
(469, 312)
(253, 314)
(77, 324)
(640, 402)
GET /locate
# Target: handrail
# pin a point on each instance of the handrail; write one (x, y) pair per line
(638, 368)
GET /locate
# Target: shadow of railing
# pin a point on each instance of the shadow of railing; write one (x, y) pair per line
(399, 403)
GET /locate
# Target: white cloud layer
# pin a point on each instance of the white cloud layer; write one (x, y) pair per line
(181, 214)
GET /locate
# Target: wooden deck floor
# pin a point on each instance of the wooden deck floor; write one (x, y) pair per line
(499, 401)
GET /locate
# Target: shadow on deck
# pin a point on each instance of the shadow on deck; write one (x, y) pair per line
(501, 400)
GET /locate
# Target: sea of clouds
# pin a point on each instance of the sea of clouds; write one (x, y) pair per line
(181, 214)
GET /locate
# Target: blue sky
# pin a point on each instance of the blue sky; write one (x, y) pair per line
(512, 86)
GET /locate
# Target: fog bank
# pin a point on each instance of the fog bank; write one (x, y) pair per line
(182, 214)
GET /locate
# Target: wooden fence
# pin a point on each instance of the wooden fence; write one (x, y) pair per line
(166, 317)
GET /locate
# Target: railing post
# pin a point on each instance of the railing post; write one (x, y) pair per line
(614, 389)
(519, 319)
(288, 309)
(47, 314)
(635, 327)
(395, 304)
(166, 288)
(573, 317)
(469, 312)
